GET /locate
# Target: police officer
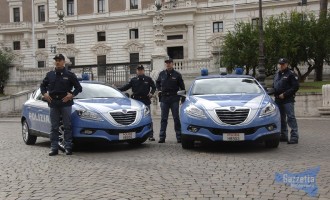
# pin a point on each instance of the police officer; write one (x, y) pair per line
(169, 82)
(286, 85)
(143, 88)
(56, 88)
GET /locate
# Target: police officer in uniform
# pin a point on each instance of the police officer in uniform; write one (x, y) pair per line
(143, 88)
(56, 89)
(286, 85)
(169, 82)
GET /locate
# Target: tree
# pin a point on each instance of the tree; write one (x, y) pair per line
(322, 41)
(5, 61)
(240, 48)
(300, 37)
(289, 35)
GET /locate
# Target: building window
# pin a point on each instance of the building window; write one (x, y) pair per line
(41, 44)
(72, 60)
(100, 36)
(17, 15)
(41, 64)
(17, 45)
(70, 39)
(134, 4)
(175, 52)
(41, 13)
(255, 22)
(174, 37)
(217, 27)
(100, 6)
(134, 34)
(70, 7)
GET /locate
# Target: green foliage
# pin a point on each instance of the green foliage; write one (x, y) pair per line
(300, 37)
(241, 47)
(5, 60)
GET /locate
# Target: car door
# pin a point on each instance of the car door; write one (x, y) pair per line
(39, 114)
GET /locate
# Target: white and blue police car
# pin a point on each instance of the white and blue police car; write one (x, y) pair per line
(229, 108)
(100, 112)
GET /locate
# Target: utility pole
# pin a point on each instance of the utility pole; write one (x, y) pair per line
(261, 65)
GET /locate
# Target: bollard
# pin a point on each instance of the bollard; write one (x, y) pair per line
(326, 95)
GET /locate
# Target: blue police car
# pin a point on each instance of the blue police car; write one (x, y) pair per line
(100, 112)
(229, 108)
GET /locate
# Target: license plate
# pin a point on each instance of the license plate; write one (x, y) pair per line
(233, 137)
(126, 136)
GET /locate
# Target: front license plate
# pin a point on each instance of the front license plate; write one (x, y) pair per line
(233, 137)
(126, 136)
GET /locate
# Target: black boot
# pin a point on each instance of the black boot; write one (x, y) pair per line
(53, 153)
(68, 152)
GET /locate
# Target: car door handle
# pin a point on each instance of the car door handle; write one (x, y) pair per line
(39, 110)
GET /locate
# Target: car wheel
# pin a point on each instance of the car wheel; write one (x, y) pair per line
(272, 143)
(187, 144)
(26, 133)
(137, 141)
(61, 143)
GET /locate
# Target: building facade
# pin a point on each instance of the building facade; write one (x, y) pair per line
(122, 31)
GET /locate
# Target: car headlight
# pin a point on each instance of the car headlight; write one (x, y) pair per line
(269, 109)
(89, 115)
(146, 111)
(194, 112)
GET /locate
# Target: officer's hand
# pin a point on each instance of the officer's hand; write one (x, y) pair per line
(67, 98)
(281, 96)
(47, 97)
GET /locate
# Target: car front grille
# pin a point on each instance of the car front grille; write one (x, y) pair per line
(124, 118)
(233, 117)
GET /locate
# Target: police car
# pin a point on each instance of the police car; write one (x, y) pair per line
(229, 108)
(100, 112)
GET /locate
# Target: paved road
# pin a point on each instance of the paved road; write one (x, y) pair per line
(161, 171)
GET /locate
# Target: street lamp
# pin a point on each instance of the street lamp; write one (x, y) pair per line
(52, 49)
(60, 14)
(261, 65)
(158, 4)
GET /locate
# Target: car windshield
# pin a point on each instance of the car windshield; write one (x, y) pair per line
(91, 90)
(225, 86)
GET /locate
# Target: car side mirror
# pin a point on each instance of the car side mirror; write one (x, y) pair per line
(181, 93)
(270, 91)
(126, 94)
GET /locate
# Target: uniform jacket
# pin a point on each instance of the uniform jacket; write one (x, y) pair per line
(169, 83)
(58, 83)
(285, 82)
(141, 88)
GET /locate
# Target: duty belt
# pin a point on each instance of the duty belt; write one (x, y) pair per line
(57, 96)
(139, 97)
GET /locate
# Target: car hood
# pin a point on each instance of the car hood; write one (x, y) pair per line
(104, 105)
(210, 102)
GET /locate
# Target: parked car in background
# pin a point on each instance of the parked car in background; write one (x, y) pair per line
(229, 108)
(100, 112)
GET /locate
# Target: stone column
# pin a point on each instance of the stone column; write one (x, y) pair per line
(190, 39)
(61, 44)
(159, 54)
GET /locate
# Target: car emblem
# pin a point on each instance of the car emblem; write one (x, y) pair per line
(124, 111)
(232, 108)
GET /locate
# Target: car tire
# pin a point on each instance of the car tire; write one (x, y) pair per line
(137, 141)
(26, 134)
(187, 144)
(272, 143)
